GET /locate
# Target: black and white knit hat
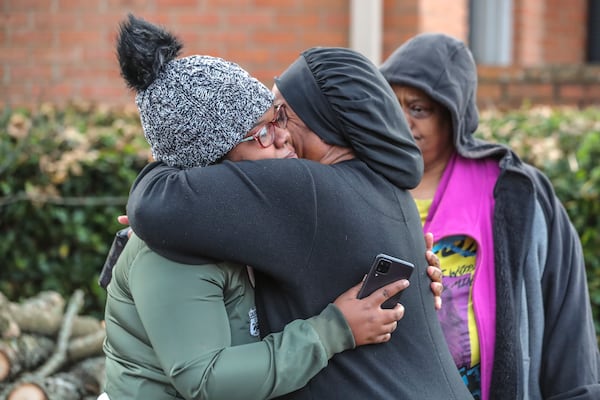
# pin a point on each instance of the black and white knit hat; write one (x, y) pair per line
(193, 110)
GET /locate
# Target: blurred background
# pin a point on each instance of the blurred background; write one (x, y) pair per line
(541, 51)
(71, 142)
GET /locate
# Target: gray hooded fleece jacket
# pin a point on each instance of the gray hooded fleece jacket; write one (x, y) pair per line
(545, 343)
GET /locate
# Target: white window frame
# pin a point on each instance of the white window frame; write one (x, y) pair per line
(491, 31)
(366, 28)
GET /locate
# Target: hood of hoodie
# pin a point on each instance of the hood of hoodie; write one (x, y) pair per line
(443, 68)
(343, 98)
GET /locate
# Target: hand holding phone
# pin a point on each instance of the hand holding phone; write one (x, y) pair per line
(385, 269)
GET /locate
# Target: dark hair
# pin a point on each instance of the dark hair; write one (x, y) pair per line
(142, 50)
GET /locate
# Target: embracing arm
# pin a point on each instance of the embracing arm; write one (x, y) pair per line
(434, 270)
(188, 215)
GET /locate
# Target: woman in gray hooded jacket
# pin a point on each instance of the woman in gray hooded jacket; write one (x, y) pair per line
(516, 313)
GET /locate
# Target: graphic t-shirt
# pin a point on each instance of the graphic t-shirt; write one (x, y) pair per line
(457, 256)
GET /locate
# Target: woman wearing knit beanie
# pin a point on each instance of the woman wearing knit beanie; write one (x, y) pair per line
(176, 330)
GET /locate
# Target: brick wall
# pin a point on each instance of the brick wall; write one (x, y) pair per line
(549, 32)
(63, 50)
(57, 50)
(573, 85)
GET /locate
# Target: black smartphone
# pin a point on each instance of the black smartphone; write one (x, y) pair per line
(385, 269)
(116, 248)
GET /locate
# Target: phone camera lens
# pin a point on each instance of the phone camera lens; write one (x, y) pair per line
(383, 266)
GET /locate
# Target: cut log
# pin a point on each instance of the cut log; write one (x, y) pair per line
(86, 346)
(83, 325)
(26, 391)
(56, 361)
(48, 351)
(83, 379)
(91, 374)
(40, 314)
(23, 354)
(8, 327)
(62, 386)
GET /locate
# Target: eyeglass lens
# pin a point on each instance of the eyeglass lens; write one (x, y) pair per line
(265, 136)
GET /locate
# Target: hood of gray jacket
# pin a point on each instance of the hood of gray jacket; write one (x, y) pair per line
(443, 67)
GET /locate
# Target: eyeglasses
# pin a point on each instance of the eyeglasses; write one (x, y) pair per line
(266, 135)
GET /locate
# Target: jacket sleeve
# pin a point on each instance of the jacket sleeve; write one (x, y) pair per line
(183, 313)
(187, 215)
(570, 357)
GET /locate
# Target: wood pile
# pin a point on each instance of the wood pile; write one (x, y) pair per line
(48, 351)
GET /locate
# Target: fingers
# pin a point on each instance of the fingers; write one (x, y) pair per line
(432, 259)
(437, 302)
(384, 338)
(429, 241)
(382, 294)
(435, 274)
(398, 314)
(391, 327)
(436, 288)
(123, 219)
(369, 322)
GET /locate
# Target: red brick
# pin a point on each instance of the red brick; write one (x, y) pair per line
(198, 20)
(283, 39)
(15, 55)
(310, 39)
(166, 4)
(127, 4)
(78, 5)
(572, 91)
(33, 73)
(89, 56)
(25, 5)
(71, 38)
(249, 20)
(30, 38)
(108, 90)
(53, 21)
(489, 91)
(268, 3)
(542, 90)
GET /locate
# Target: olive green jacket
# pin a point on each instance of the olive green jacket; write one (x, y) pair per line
(189, 331)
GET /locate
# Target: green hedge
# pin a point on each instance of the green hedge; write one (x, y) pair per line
(64, 178)
(565, 144)
(65, 175)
